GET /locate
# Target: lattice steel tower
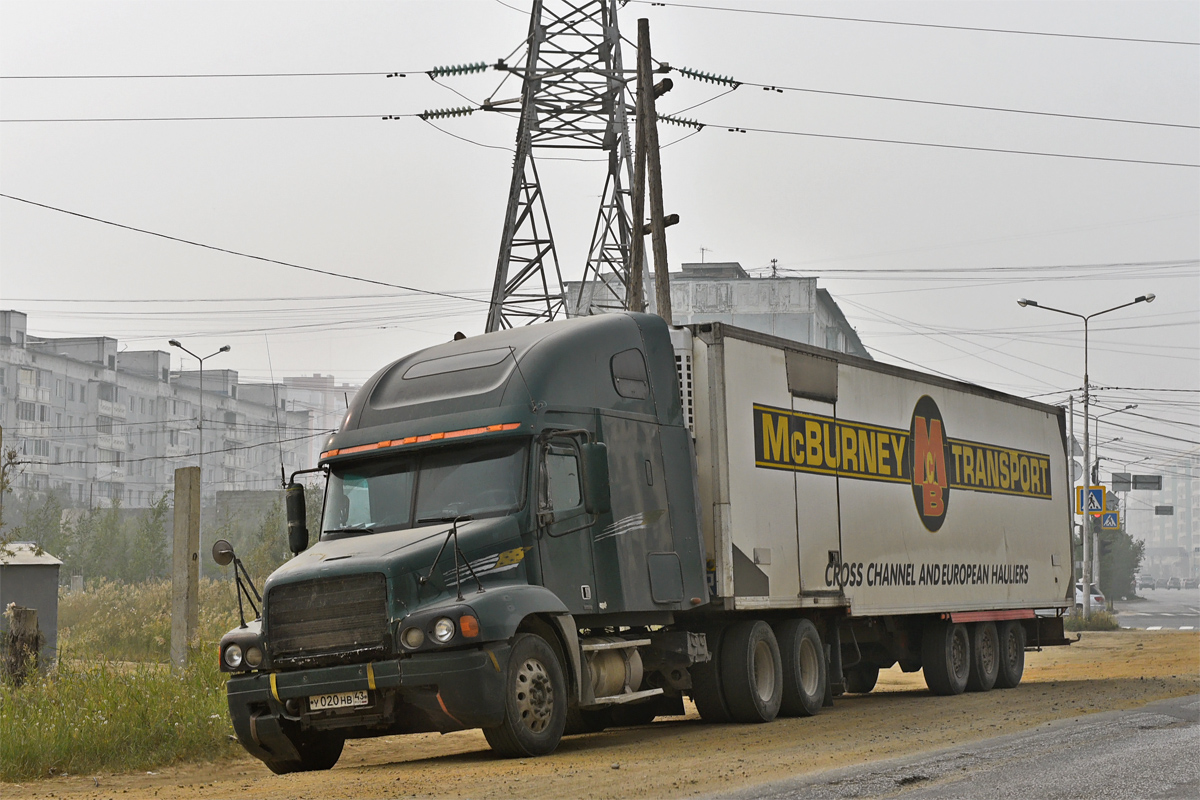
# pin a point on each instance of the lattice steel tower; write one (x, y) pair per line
(572, 97)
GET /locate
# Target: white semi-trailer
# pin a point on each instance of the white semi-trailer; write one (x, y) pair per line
(557, 528)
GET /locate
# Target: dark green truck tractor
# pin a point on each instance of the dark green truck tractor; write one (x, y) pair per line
(510, 536)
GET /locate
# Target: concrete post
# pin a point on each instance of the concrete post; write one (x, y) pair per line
(185, 561)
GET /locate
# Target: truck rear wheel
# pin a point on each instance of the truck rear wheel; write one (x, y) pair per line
(946, 657)
(985, 657)
(318, 751)
(706, 681)
(751, 672)
(535, 701)
(861, 679)
(804, 670)
(1011, 639)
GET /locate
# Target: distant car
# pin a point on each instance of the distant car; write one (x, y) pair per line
(1174, 583)
(1161, 583)
(1145, 582)
(1098, 601)
(1191, 583)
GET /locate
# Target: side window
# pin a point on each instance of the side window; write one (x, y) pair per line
(562, 491)
(629, 374)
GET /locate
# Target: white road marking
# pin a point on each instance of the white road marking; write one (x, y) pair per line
(1186, 628)
(1154, 628)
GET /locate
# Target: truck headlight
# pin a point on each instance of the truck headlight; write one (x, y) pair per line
(443, 630)
(233, 656)
(254, 657)
(413, 638)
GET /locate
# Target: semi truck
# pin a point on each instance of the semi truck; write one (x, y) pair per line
(553, 529)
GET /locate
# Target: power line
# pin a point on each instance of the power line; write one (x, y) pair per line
(392, 73)
(739, 129)
(249, 117)
(918, 24)
(243, 255)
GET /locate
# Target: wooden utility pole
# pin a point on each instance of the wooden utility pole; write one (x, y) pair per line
(647, 165)
(185, 560)
(658, 229)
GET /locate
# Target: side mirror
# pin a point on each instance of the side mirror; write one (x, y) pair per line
(297, 519)
(222, 552)
(597, 499)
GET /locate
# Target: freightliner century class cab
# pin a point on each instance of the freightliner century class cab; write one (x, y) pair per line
(521, 534)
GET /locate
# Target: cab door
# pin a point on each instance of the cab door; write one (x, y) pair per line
(564, 526)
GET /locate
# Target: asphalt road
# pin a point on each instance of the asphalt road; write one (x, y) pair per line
(1144, 753)
(1162, 609)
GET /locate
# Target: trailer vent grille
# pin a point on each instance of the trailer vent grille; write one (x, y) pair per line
(683, 368)
(328, 620)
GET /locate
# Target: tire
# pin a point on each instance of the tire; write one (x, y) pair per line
(861, 679)
(804, 668)
(946, 657)
(1011, 640)
(318, 751)
(535, 701)
(985, 657)
(751, 672)
(635, 714)
(706, 682)
(587, 721)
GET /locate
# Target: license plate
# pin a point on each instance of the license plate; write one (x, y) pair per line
(326, 702)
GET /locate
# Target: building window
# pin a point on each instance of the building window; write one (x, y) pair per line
(58, 420)
(26, 377)
(71, 391)
(82, 393)
(43, 413)
(27, 411)
(58, 454)
(104, 424)
(58, 388)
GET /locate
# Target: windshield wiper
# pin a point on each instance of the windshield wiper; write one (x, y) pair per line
(364, 528)
(452, 533)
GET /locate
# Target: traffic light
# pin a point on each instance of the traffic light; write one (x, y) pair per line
(1105, 547)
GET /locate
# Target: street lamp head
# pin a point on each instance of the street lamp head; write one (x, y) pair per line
(225, 349)
(174, 343)
(1146, 298)
(1023, 302)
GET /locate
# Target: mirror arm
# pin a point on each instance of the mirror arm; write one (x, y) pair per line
(323, 468)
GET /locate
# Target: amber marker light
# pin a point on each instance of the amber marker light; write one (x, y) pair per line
(429, 437)
(468, 625)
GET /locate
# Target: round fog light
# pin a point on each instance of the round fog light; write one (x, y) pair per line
(443, 630)
(233, 656)
(254, 657)
(413, 638)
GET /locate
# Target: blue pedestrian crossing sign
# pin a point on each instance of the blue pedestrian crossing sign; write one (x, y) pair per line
(1110, 521)
(1091, 502)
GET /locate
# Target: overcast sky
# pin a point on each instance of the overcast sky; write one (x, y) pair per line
(401, 202)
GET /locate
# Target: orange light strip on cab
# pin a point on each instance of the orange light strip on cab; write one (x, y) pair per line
(429, 437)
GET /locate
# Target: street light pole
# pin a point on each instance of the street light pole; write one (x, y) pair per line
(200, 452)
(1087, 456)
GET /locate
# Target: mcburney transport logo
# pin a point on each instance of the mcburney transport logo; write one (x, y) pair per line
(924, 456)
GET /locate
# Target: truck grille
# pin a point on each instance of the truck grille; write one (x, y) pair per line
(328, 620)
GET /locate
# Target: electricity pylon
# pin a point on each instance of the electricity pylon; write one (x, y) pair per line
(572, 97)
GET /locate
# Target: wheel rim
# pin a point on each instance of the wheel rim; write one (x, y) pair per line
(987, 653)
(809, 668)
(958, 653)
(764, 671)
(1012, 650)
(534, 695)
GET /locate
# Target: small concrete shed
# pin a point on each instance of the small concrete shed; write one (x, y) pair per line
(29, 578)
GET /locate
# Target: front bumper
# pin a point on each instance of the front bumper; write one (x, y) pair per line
(427, 691)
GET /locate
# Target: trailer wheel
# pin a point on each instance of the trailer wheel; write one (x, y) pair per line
(318, 751)
(535, 701)
(985, 657)
(1011, 639)
(804, 669)
(706, 681)
(861, 679)
(752, 672)
(946, 657)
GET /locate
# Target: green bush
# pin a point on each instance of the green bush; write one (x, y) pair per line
(87, 715)
(1099, 621)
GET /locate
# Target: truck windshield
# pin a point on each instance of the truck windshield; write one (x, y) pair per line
(481, 481)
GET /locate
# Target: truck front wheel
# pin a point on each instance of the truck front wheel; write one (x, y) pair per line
(318, 751)
(946, 657)
(804, 668)
(706, 681)
(535, 701)
(751, 672)
(1011, 635)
